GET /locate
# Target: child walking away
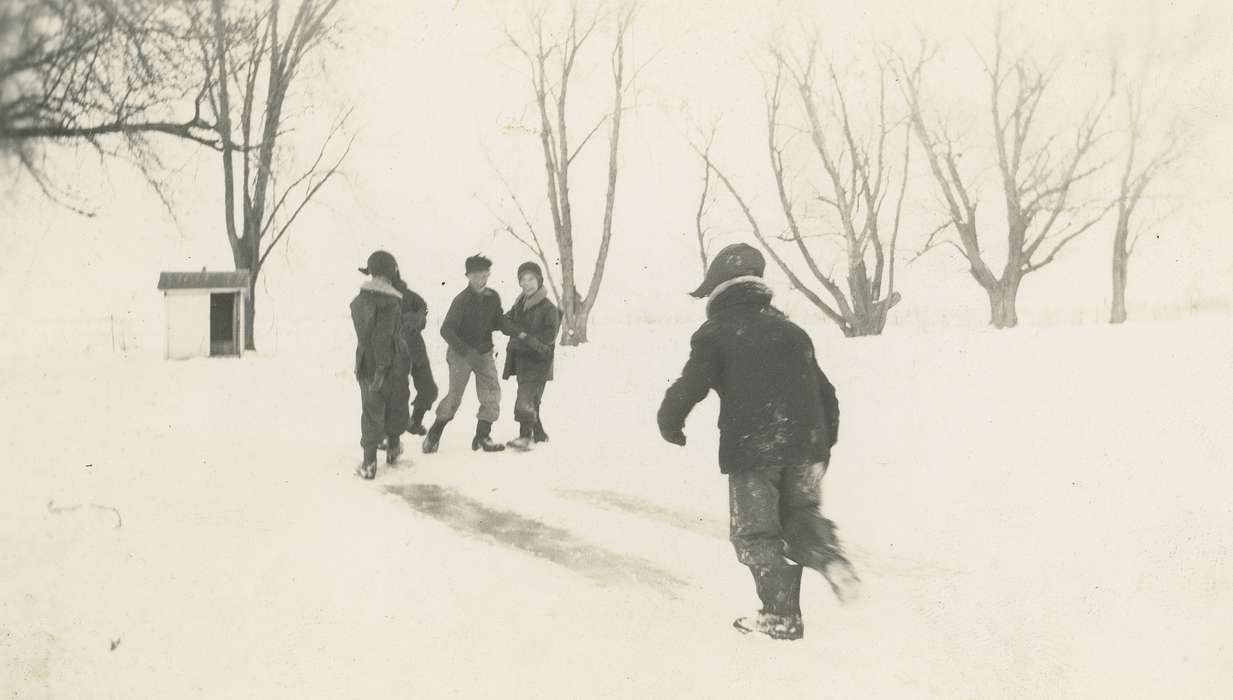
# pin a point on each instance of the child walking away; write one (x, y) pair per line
(778, 419)
(530, 354)
(414, 319)
(382, 362)
(468, 327)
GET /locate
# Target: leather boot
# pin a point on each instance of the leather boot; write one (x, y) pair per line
(416, 427)
(433, 440)
(526, 435)
(393, 450)
(779, 589)
(538, 432)
(483, 438)
(368, 467)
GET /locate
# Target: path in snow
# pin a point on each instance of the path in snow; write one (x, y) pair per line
(556, 544)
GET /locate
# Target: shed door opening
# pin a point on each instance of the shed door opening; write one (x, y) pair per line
(222, 324)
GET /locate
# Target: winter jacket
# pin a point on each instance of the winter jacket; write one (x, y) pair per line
(472, 319)
(380, 346)
(414, 319)
(777, 407)
(531, 358)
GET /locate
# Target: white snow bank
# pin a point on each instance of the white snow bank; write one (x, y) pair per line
(1034, 512)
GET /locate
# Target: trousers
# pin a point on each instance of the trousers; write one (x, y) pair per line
(776, 517)
(487, 385)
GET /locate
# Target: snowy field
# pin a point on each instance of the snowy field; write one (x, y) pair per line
(1035, 513)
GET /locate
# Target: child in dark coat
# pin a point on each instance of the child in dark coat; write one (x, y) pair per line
(778, 419)
(473, 317)
(414, 320)
(529, 355)
(382, 362)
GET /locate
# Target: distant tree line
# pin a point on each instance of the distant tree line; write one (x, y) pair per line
(842, 144)
(850, 180)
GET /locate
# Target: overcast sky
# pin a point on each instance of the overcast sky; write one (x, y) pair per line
(438, 95)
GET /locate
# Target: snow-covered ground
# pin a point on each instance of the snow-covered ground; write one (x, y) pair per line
(1035, 513)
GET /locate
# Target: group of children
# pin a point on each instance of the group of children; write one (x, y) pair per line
(391, 355)
(778, 416)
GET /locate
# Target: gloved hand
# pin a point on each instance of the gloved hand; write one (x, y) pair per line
(676, 437)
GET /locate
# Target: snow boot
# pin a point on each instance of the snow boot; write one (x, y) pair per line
(433, 441)
(393, 452)
(417, 423)
(782, 627)
(526, 435)
(483, 438)
(779, 589)
(368, 468)
(538, 432)
(843, 579)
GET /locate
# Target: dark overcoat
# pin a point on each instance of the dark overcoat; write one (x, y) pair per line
(777, 407)
(531, 358)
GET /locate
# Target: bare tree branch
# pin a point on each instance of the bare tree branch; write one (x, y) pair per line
(321, 180)
(830, 313)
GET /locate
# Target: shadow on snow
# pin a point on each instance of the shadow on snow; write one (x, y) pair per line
(557, 545)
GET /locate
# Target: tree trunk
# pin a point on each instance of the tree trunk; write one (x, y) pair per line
(1002, 299)
(574, 325)
(1118, 312)
(1121, 263)
(873, 321)
(250, 313)
(865, 326)
(240, 255)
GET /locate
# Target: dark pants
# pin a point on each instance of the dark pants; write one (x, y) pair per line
(530, 396)
(776, 517)
(426, 391)
(384, 413)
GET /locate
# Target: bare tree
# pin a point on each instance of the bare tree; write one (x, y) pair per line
(700, 229)
(107, 73)
(1038, 177)
(250, 66)
(858, 174)
(529, 238)
(1137, 175)
(552, 64)
(858, 177)
(90, 70)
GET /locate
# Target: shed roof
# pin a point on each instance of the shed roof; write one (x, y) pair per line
(237, 279)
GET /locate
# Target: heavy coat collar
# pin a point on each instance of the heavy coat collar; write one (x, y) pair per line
(529, 301)
(486, 291)
(380, 286)
(737, 291)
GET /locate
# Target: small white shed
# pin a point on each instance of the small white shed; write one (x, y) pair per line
(204, 313)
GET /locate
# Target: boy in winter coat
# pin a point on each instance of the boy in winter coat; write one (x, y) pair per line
(530, 356)
(778, 420)
(468, 327)
(414, 320)
(382, 362)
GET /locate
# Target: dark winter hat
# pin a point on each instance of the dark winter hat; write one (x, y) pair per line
(381, 263)
(478, 263)
(533, 269)
(736, 260)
